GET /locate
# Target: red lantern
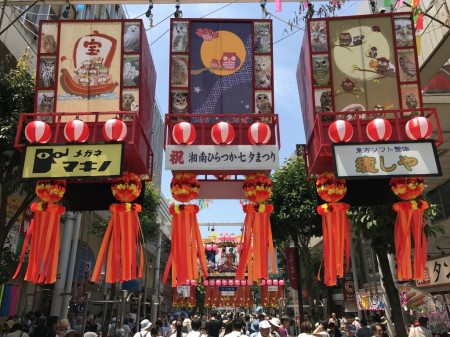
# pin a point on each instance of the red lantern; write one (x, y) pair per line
(114, 130)
(329, 188)
(222, 133)
(419, 128)
(76, 131)
(340, 131)
(259, 133)
(38, 132)
(379, 130)
(184, 133)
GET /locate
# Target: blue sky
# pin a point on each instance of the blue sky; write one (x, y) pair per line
(286, 54)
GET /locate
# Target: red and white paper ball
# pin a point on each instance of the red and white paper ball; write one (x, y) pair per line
(184, 133)
(222, 133)
(38, 132)
(114, 130)
(419, 128)
(340, 131)
(259, 133)
(76, 131)
(379, 130)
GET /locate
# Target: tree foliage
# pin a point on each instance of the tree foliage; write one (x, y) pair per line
(16, 96)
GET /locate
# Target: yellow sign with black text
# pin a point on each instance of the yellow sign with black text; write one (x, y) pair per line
(73, 161)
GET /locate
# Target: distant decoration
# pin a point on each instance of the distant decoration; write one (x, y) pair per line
(38, 132)
(76, 131)
(114, 130)
(222, 133)
(379, 129)
(407, 188)
(184, 187)
(340, 131)
(184, 133)
(259, 133)
(419, 128)
(43, 234)
(127, 188)
(257, 188)
(329, 188)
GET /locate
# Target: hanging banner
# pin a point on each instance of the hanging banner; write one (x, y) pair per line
(348, 287)
(291, 262)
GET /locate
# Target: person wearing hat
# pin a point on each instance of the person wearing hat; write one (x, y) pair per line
(264, 329)
(146, 325)
(421, 330)
(275, 325)
(237, 325)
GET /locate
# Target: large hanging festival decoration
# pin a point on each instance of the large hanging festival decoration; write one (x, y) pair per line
(257, 237)
(215, 297)
(335, 226)
(410, 220)
(43, 233)
(187, 244)
(122, 243)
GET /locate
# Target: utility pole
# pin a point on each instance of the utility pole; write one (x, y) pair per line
(299, 276)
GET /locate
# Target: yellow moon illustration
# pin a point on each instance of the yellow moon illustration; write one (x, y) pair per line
(214, 51)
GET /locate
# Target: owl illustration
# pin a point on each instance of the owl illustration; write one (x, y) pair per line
(403, 32)
(179, 73)
(131, 39)
(48, 43)
(263, 104)
(134, 106)
(321, 70)
(348, 85)
(411, 101)
(207, 34)
(180, 37)
(179, 103)
(318, 33)
(263, 72)
(229, 61)
(358, 40)
(408, 67)
(345, 38)
(382, 65)
(262, 40)
(372, 52)
(127, 100)
(214, 64)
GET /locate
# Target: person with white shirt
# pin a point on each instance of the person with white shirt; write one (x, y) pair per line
(146, 325)
(195, 326)
(264, 329)
(238, 324)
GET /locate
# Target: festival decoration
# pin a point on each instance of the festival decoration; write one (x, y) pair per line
(184, 133)
(114, 130)
(76, 131)
(222, 133)
(258, 244)
(257, 187)
(44, 233)
(410, 219)
(187, 246)
(184, 296)
(122, 243)
(271, 294)
(335, 227)
(419, 128)
(379, 129)
(38, 132)
(340, 131)
(259, 133)
(184, 187)
(242, 297)
(329, 188)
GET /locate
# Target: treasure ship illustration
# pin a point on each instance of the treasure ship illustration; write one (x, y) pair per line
(87, 73)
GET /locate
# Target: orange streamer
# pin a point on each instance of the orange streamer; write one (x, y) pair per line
(187, 246)
(43, 238)
(336, 240)
(410, 220)
(257, 243)
(121, 245)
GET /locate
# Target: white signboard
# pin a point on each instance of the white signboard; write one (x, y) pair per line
(183, 291)
(437, 273)
(227, 293)
(222, 157)
(272, 288)
(366, 160)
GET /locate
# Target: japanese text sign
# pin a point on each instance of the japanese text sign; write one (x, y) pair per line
(374, 160)
(212, 157)
(72, 161)
(437, 273)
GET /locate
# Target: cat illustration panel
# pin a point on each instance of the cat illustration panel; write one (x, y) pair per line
(47, 72)
(131, 37)
(263, 103)
(48, 39)
(263, 39)
(179, 103)
(130, 102)
(180, 36)
(179, 74)
(45, 104)
(410, 99)
(404, 32)
(321, 70)
(263, 72)
(130, 71)
(318, 36)
(408, 65)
